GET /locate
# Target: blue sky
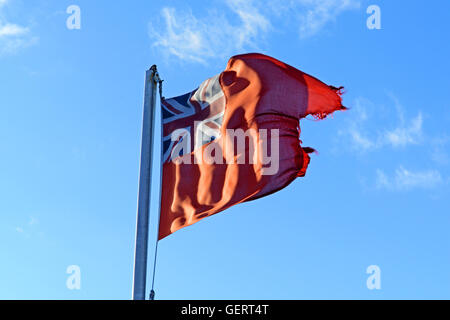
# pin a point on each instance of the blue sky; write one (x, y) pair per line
(376, 194)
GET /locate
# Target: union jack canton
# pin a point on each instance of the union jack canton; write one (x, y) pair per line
(199, 115)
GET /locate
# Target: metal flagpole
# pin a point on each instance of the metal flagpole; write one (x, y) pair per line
(145, 177)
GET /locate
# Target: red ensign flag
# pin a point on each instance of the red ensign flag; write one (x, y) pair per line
(237, 137)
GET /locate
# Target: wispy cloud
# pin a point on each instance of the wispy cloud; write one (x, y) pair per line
(28, 228)
(364, 137)
(404, 179)
(9, 30)
(197, 39)
(406, 133)
(315, 14)
(243, 25)
(13, 36)
(377, 127)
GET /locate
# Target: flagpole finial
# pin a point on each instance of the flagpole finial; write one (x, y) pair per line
(157, 79)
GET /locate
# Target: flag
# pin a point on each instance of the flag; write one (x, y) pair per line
(237, 137)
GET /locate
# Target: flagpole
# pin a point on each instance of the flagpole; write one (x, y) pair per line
(145, 177)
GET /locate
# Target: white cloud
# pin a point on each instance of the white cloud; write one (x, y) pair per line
(252, 21)
(320, 12)
(13, 36)
(242, 26)
(406, 135)
(12, 30)
(372, 127)
(28, 229)
(197, 39)
(364, 137)
(404, 179)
